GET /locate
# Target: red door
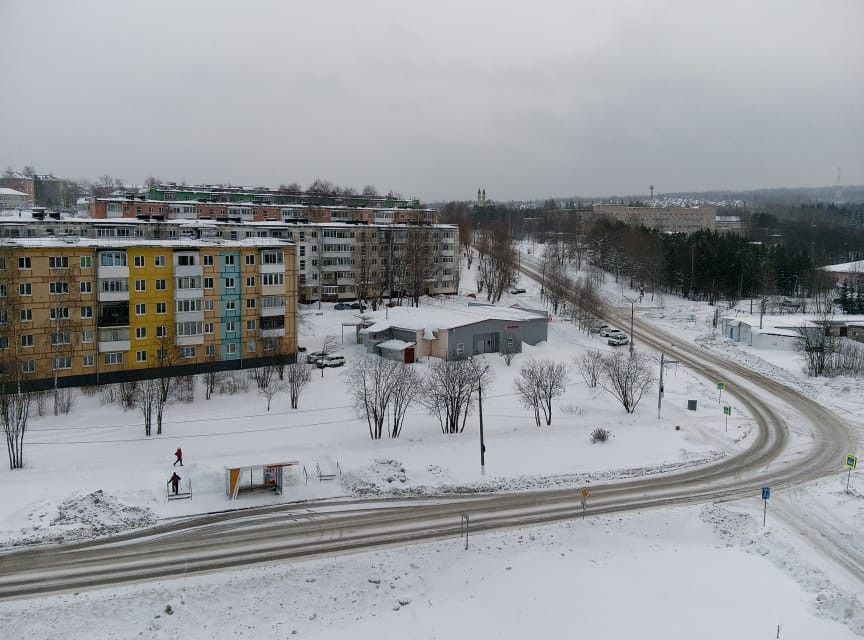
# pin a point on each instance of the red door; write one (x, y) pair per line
(409, 355)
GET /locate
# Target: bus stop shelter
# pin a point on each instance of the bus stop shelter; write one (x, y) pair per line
(255, 477)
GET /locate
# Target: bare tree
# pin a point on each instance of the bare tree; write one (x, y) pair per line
(328, 346)
(297, 375)
(65, 322)
(371, 380)
(448, 389)
(626, 376)
(146, 397)
(268, 383)
(540, 382)
(590, 367)
(817, 347)
(166, 358)
(407, 386)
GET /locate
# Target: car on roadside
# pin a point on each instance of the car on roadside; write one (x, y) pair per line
(314, 357)
(330, 361)
(358, 306)
(618, 340)
(608, 332)
(515, 291)
(341, 306)
(597, 328)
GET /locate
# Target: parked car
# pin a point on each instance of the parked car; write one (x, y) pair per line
(314, 357)
(357, 305)
(341, 306)
(515, 291)
(618, 341)
(597, 328)
(330, 361)
(608, 332)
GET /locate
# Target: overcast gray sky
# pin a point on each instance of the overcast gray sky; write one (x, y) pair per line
(435, 99)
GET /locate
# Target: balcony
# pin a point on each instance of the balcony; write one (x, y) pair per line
(113, 340)
(112, 272)
(273, 333)
(185, 341)
(189, 316)
(272, 268)
(188, 270)
(186, 294)
(272, 326)
(112, 291)
(273, 311)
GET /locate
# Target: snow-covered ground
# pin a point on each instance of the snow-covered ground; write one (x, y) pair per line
(708, 572)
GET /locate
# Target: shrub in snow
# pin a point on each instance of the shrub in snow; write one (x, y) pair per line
(600, 435)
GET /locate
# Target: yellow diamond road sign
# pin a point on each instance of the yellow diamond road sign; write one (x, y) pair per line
(585, 493)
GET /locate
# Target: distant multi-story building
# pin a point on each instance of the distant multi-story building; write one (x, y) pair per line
(13, 199)
(663, 219)
(20, 182)
(93, 308)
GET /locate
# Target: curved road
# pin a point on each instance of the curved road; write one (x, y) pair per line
(283, 532)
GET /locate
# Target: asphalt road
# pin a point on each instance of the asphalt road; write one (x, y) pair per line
(286, 532)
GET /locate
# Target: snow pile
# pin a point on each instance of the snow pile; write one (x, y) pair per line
(82, 517)
(743, 531)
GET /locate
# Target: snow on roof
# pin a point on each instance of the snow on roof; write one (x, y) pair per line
(11, 192)
(846, 267)
(431, 319)
(394, 345)
(792, 321)
(112, 243)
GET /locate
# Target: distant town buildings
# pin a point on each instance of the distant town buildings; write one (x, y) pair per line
(13, 199)
(663, 219)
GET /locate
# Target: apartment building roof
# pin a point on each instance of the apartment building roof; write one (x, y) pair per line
(431, 319)
(116, 243)
(11, 192)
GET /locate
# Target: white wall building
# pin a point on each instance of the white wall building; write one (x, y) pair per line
(12, 199)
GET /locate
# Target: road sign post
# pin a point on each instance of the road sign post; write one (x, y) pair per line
(851, 462)
(766, 494)
(584, 495)
(720, 387)
(464, 526)
(727, 411)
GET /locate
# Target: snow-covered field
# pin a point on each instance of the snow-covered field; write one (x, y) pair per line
(707, 572)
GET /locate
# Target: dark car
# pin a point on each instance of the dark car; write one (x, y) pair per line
(357, 305)
(517, 290)
(341, 306)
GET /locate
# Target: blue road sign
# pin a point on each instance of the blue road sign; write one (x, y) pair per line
(766, 493)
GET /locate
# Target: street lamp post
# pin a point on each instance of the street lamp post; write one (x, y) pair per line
(632, 302)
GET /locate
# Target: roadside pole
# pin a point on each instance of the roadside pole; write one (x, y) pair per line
(720, 387)
(766, 494)
(584, 494)
(851, 462)
(727, 411)
(661, 390)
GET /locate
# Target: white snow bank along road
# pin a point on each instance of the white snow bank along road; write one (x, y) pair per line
(665, 575)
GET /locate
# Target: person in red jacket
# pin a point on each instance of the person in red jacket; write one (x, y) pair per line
(174, 481)
(179, 454)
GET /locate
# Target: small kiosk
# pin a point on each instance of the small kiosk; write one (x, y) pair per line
(255, 477)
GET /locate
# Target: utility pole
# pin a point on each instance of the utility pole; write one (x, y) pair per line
(663, 363)
(632, 302)
(482, 444)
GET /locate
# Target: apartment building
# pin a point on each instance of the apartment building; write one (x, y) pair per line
(94, 310)
(334, 260)
(664, 219)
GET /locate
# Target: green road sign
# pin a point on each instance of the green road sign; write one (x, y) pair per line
(721, 385)
(727, 411)
(851, 461)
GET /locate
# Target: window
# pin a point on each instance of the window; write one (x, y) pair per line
(89, 361)
(60, 337)
(161, 308)
(58, 288)
(189, 282)
(230, 326)
(140, 356)
(2, 290)
(208, 327)
(86, 312)
(191, 328)
(113, 286)
(2, 263)
(229, 261)
(62, 362)
(140, 309)
(161, 331)
(112, 259)
(186, 260)
(25, 289)
(140, 285)
(59, 313)
(86, 262)
(302, 250)
(58, 262)
(272, 279)
(187, 352)
(302, 265)
(87, 337)
(208, 305)
(28, 366)
(229, 283)
(159, 261)
(210, 350)
(189, 306)
(250, 325)
(160, 285)
(230, 305)
(250, 303)
(250, 281)
(208, 261)
(460, 348)
(139, 261)
(140, 333)
(231, 348)
(26, 315)
(250, 346)
(273, 257)
(87, 287)
(208, 283)
(27, 340)
(115, 357)
(250, 258)
(4, 316)
(24, 262)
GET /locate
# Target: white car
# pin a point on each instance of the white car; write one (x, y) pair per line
(608, 332)
(330, 361)
(618, 340)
